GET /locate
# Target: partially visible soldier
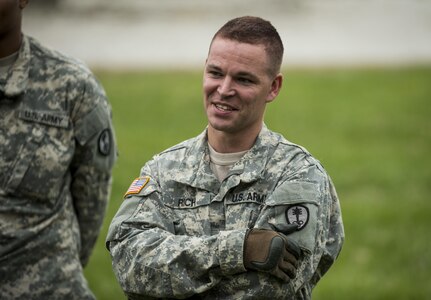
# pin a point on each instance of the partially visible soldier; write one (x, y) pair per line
(57, 150)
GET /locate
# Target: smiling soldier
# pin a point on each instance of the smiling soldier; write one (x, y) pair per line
(237, 212)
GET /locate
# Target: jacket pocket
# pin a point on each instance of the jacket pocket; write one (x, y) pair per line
(192, 212)
(40, 169)
(293, 203)
(23, 159)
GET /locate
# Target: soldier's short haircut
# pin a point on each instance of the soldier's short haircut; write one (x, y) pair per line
(255, 31)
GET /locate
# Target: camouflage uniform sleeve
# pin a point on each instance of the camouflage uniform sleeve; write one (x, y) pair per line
(308, 198)
(92, 164)
(334, 234)
(150, 259)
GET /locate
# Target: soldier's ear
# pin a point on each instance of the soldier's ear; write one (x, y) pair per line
(23, 3)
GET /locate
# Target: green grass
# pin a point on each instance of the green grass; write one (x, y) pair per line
(371, 129)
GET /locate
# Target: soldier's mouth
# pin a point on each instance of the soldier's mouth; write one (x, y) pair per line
(224, 107)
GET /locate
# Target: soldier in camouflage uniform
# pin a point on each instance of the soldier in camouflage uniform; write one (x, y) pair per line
(237, 212)
(57, 151)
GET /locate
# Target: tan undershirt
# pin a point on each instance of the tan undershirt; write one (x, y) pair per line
(222, 162)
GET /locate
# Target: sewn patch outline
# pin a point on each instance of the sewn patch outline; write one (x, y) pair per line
(137, 185)
(297, 214)
(104, 142)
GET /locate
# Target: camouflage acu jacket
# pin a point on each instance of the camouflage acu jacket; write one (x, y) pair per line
(57, 150)
(180, 232)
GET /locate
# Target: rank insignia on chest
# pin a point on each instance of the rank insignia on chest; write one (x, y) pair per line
(297, 214)
(137, 185)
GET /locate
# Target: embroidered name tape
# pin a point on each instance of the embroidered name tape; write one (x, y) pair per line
(45, 117)
(137, 185)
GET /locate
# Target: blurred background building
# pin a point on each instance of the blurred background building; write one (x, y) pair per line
(176, 33)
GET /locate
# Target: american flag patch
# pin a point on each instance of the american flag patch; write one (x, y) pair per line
(137, 185)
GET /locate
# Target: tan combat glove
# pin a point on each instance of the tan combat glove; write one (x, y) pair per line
(271, 252)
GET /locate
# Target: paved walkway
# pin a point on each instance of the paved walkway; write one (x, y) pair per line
(176, 34)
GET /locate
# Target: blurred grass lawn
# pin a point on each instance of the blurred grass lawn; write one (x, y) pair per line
(371, 129)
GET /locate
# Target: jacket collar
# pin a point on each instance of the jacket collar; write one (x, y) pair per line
(17, 80)
(251, 167)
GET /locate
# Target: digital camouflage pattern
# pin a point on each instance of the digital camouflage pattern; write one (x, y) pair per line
(57, 150)
(182, 234)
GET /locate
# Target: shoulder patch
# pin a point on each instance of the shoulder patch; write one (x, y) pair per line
(104, 142)
(137, 185)
(297, 214)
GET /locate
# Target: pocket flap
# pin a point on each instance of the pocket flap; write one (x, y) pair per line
(94, 122)
(294, 192)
